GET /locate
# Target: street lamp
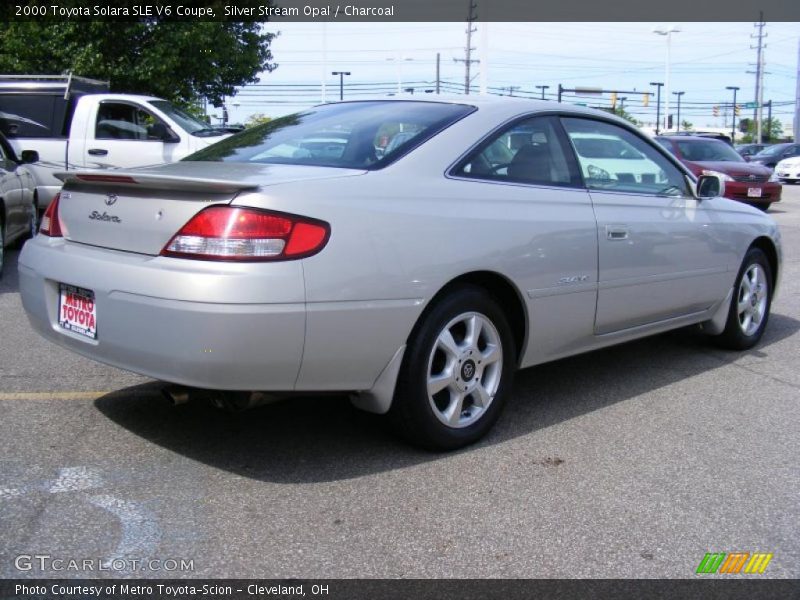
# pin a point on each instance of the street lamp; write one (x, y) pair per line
(658, 104)
(341, 75)
(678, 94)
(733, 125)
(668, 33)
(543, 88)
(399, 62)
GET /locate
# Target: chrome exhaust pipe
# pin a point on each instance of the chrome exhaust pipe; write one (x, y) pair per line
(176, 395)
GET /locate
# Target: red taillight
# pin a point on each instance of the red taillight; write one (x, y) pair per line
(247, 234)
(51, 226)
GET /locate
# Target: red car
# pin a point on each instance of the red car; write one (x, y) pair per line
(746, 182)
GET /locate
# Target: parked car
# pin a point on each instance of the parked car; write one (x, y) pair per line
(418, 281)
(769, 157)
(73, 122)
(747, 182)
(749, 150)
(18, 219)
(788, 170)
(704, 134)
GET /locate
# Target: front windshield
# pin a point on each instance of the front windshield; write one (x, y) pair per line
(771, 151)
(188, 123)
(353, 135)
(708, 150)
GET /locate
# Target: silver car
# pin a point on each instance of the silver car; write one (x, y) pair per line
(18, 215)
(418, 281)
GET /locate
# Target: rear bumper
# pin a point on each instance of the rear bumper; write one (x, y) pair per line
(221, 325)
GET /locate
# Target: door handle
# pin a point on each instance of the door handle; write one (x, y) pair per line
(616, 232)
(98, 152)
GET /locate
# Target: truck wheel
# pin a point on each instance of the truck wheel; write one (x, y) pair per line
(456, 372)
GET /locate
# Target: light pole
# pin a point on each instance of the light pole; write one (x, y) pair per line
(678, 94)
(658, 84)
(733, 121)
(399, 62)
(543, 88)
(341, 75)
(668, 33)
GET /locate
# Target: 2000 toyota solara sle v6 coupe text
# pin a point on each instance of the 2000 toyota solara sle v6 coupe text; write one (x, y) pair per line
(314, 254)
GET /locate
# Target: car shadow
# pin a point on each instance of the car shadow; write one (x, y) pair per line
(323, 438)
(9, 282)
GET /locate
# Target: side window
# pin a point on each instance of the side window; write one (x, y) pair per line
(529, 151)
(612, 158)
(119, 121)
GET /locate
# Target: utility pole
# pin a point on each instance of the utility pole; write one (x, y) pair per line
(484, 56)
(758, 113)
(472, 16)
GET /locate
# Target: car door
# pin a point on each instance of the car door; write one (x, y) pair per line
(127, 135)
(661, 252)
(11, 193)
(527, 175)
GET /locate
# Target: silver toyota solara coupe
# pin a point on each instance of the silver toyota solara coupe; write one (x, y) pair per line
(413, 253)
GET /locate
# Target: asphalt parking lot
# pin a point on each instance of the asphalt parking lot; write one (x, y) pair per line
(630, 462)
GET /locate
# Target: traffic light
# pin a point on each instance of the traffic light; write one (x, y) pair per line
(613, 99)
(646, 100)
(738, 109)
(715, 110)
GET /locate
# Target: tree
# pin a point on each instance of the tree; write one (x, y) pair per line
(621, 112)
(182, 61)
(256, 119)
(686, 126)
(771, 129)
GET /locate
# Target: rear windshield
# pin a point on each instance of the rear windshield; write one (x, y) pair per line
(708, 150)
(773, 150)
(353, 135)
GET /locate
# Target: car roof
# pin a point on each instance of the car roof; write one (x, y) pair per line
(499, 105)
(690, 138)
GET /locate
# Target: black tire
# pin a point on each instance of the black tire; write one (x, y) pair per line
(33, 228)
(34, 224)
(765, 207)
(417, 415)
(736, 336)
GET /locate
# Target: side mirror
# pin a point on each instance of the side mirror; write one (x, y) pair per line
(159, 131)
(29, 156)
(710, 186)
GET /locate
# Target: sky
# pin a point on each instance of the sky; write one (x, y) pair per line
(705, 58)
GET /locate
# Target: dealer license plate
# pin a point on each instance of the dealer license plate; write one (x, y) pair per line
(754, 192)
(77, 311)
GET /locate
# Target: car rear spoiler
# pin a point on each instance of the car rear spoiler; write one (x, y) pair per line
(133, 179)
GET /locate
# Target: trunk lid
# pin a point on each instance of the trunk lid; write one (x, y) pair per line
(140, 210)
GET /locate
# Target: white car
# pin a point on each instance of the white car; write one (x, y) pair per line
(788, 170)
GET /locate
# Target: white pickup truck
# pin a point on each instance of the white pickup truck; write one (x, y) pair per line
(73, 123)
